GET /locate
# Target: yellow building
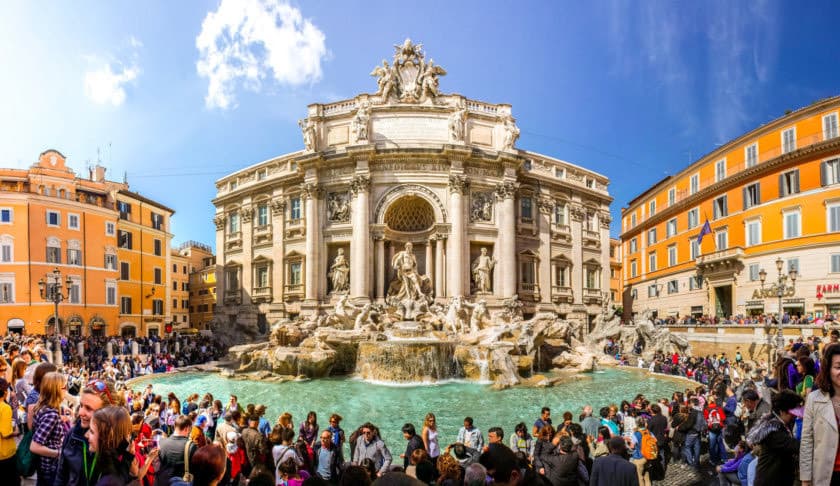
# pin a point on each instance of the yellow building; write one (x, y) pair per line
(143, 252)
(773, 193)
(615, 272)
(180, 282)
(202, 282)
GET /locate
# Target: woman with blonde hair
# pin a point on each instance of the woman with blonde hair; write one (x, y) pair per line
(48, 431)
(285, 421)
(430, 437)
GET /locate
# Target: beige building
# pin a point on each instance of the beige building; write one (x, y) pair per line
(201, 265)
(180, 300)
(408, 164)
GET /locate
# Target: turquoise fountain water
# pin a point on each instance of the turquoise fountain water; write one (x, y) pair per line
(389, 407)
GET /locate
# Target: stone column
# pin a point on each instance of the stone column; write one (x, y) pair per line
(440, 288)
(311, 193)
(360, 246)
(505, 193)
(380, 267)
(576, 229)
(455, 253)
(278, 249)
(546, 208)
(430, 262)
(220, 220)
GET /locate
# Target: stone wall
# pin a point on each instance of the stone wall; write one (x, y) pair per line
(751, 340)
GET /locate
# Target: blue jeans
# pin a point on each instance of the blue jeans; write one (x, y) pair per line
(717, 450)
(691, 449)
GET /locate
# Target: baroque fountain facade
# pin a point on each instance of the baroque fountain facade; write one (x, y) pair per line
(412, 240)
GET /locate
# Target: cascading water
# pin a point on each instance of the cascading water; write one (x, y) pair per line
(480, 359)
(407, 361)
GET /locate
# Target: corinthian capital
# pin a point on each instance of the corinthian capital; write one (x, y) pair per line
(278, 205)
(506, 189)
(246, 213)
(219, 221)
(310, 190)
(546, 204)
(458, 183)
(360, 183)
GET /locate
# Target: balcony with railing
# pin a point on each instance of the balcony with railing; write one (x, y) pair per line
(561, 232)
(721, 264)
(261, 294)
(592, 296)
(561, 293)
(233, 241)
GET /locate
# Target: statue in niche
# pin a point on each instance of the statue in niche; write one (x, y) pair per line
(482, 267)
(482, 207)
(457, 120)
(307, 126)
(361, 122)
(340, 273)
(511, 133)
(408, 281)
(338, 207)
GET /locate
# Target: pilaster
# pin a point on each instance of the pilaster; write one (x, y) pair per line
(505, 193)
(311, 192)
(360, 247)
(455, 253)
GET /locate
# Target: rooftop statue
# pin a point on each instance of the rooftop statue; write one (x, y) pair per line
(409, 78)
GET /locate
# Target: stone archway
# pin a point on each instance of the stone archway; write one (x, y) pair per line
(405, 190)
(409, 214)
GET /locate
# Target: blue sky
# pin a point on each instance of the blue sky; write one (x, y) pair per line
(178, 94)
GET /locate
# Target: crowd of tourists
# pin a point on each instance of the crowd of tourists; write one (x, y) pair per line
(74, 426)
(808, 319)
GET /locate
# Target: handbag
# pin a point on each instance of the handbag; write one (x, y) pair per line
(27, 462)
(187, 476)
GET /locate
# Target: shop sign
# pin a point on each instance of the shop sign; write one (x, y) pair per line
(755, 304)
(823, 289)
(799, 302)
(770, 292)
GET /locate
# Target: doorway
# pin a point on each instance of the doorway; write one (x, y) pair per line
(723, 301)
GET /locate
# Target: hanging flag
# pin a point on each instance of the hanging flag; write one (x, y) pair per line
(706, 230)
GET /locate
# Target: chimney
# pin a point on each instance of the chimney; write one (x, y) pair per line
(100, 173)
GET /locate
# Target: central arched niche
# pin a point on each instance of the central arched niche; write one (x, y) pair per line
(410, 214)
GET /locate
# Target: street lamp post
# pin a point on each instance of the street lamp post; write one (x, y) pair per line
(780, 289)
(50, 289)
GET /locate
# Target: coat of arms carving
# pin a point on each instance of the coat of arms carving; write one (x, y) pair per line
(409, 78)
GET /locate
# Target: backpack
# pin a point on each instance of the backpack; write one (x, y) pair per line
(27, 462)
(649, 449)
(714, 420)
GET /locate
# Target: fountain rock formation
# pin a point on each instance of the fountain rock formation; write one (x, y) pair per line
(425, 342)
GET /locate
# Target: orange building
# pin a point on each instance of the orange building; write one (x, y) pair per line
(773, 193)
(180, 281)
(144, 257)
(202, 283)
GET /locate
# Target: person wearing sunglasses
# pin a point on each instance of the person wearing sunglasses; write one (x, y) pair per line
(75, 463)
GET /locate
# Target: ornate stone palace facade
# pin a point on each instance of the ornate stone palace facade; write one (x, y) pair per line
(486, 220)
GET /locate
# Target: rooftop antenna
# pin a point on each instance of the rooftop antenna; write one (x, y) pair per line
(125, 177)
(110, 155)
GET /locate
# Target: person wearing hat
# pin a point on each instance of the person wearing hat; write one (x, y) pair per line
(819, 461)
(614, 469)
(774, 434)
(197, 433)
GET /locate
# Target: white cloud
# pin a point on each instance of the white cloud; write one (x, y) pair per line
(105, 82)
(104, 86)
(245, 42)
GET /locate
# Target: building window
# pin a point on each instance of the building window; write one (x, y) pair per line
(672, 255)
(262, 174)
(673, 286)
(53, 254)
(634, 243)
(527, 272)
(835, 263)
(752, 195)
(833, 215)
(753, 232)
(6, 215)
(74, 256)
(53, 218)
(791, 222)
(789, 140)
(652, 292)
(157, 221)
(591, 280)
(720, 170)
(527, 165)
(559, 172)
(175, 303)
(158, 276)
(694, 249)
(751, 155)
(672, 196)
(830, 172)
(295, 213)
(693, 218)
(262, 215)
(7, 291)
(158, 248)
(74, 294)
(6, 252)
(720, 207)
(651, 236)
(793, 264)
(110, 228)
(232, 279)
(125, 305)
(124, 271)
(671, 228)
(754, 270)
(590, 183)
(694, 184)
(261, 276)
(174, 285)
(73, 221)
(829, 126)
(633, 270)
(652, 261)
(634, 294)
(633, 220)
(233, 185)
(525, 209)
(560, 278)
(295, 273)
(110, 293)
(560, 214)
(233, 223)
(124, 239)
(157, 307)
(695, 283)
(789, 183)
(125, 210)
(722, 239)
(651, 208)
